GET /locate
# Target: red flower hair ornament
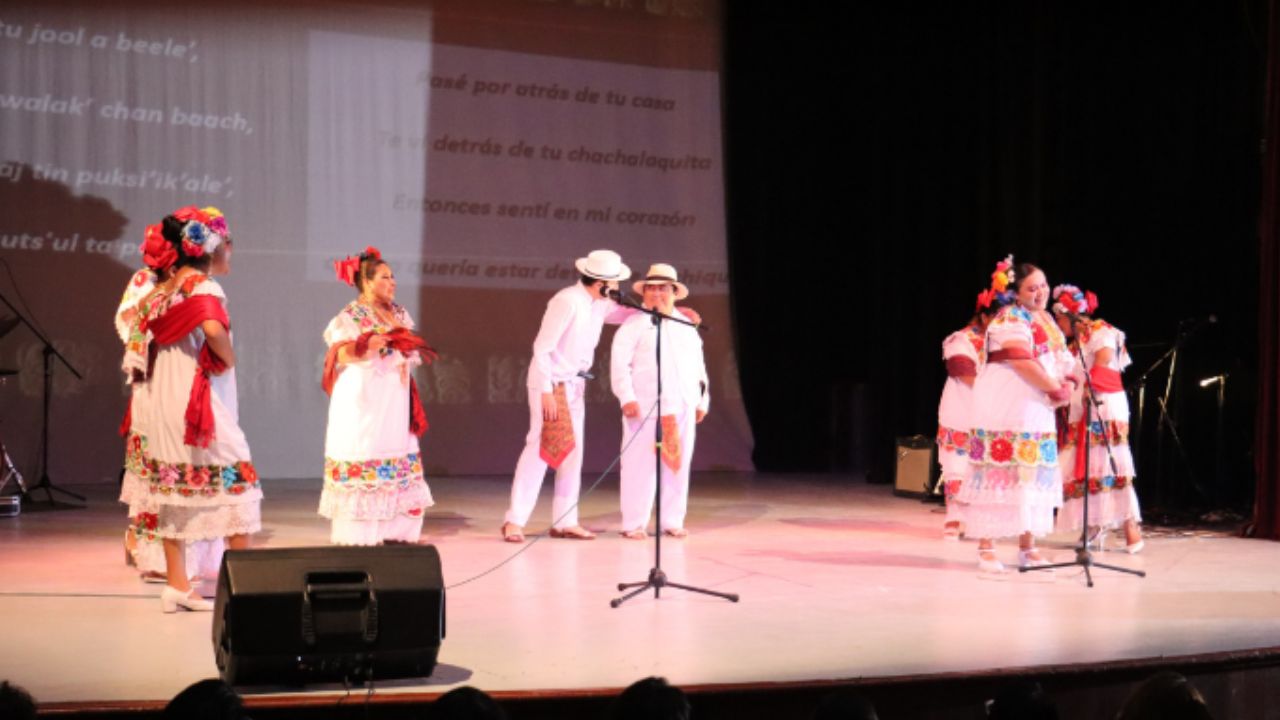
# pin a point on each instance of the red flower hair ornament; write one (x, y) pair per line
(985, 299)
(159, 254)
(346, 268)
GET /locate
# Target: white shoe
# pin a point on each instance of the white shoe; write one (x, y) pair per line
(992, 566)
(1135, 548)
(1031, 558)
(171, 599)
(1098, 541)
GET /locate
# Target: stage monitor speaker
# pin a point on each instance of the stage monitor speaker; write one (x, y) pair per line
(291, 616)
(915, 465)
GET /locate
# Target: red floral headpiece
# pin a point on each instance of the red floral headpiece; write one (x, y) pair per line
(1068, 299)
(347, 267)
(198, 239)
(985, 300)
(158, 253)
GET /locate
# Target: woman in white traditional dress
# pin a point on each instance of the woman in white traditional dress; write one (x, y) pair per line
(1113, 501)
(374, 490)
(143, 548)
(963, 352)
(1014, 486)
(179, 356)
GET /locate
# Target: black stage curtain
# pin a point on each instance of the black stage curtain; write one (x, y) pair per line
(1266, 515)
(880, 161)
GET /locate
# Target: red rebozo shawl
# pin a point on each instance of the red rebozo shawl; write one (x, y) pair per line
(177, 322)
(399, 339)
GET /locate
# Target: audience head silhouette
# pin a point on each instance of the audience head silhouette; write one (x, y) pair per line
(651, 699)
(1165, 696)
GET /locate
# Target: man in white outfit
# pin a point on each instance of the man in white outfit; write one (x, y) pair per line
(562, 355)
(685, 401)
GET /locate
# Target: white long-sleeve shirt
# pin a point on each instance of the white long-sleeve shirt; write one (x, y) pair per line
(566, 341)
(684, 371)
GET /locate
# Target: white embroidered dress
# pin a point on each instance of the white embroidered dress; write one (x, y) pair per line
(198, 493)
(1112, 497)
(1014, 485)
(955, 417)
(202, 557)
(374, 489)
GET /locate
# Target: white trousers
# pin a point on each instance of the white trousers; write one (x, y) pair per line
(638, 472)
(531, 469)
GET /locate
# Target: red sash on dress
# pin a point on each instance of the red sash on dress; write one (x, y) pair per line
(176, 323)
(400, 339)
(960, 366)
(1010, 354)
(1082, 451)
(1105, 380)
(127, 422)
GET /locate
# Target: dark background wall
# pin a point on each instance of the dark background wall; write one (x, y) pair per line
(880, 161)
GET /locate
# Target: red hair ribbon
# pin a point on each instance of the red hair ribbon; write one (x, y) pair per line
(347, 268)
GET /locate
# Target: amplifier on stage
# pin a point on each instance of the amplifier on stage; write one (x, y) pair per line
(916, 465)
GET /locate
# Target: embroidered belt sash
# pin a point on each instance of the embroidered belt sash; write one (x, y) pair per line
(557, 435)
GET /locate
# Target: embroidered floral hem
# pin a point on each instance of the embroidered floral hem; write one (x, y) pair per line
(952, 441)
(1074, 490)
(186, 484)
(1099, 433)
(1006, 447)
(376, 489)
(135, 455)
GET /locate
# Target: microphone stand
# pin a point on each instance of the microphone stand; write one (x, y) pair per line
(1084, 557)
(1164, 421)
(49, 353)
(657, 578)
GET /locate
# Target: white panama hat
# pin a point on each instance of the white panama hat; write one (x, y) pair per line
(661, 274)
(603, 265)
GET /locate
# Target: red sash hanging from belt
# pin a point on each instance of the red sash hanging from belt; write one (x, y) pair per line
(556, 440)
(178, 322)
(1104, 380)
(671, 442)
(399, 339)
(127, 422)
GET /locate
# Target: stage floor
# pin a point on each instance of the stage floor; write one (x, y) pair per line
(838, 580)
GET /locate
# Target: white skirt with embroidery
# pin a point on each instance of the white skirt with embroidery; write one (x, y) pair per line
(374, 488)
(1013, 486)
(198, 493)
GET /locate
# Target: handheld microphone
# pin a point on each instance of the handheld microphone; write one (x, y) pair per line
(614, 294)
